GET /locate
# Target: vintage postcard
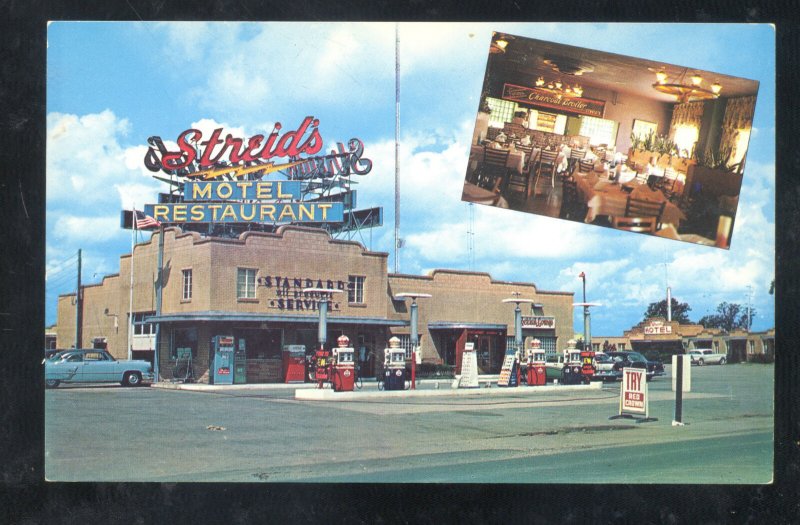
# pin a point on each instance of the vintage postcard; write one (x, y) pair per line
(265, 262)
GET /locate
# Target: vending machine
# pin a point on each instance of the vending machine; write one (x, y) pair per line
(294, 363)
(222, 371)
(394, 366)
(343, 367)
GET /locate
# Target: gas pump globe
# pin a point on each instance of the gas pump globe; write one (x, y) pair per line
(537, 373)
(343, 371)
(394, 366)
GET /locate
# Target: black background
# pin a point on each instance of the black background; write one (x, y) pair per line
(26, 498)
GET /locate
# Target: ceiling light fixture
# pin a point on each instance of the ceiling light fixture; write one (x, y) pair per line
(558, 88)
(683, 91)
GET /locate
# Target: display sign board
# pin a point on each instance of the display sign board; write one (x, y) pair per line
(469, 367)
(657, 328)
(508, 373)
(687, 373)
(538, 321)
(633, 393)
(539, 97)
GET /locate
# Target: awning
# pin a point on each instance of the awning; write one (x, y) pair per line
(454, 325)
(213, 316)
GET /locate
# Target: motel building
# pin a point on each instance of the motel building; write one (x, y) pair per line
(658, 338)
(252, 287)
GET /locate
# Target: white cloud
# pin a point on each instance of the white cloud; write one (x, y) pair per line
(76, 229)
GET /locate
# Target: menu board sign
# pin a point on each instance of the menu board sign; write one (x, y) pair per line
(547, 99)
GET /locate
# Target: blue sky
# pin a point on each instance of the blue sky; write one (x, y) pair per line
(110, 86)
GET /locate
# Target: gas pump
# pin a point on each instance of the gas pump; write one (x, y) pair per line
(321, 364)
(343, 369)
(537, 373)
(294, 363)
(572, 374)
(587, 367)
(222, 371)
(394, 366)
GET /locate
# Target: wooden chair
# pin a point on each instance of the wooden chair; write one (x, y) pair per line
(668, 181)
(527, 150)
(492, 133)
(575, 155)
(635, 224)
(547, 164)
(641, 177)
(641, 208)
(492, 172)
(572, 207)
(585, 165)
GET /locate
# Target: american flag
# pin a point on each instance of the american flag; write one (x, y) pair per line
(144, 221)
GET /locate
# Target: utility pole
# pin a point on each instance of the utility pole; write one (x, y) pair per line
(160, 281)
(396, 147)
(78, 307)
(749, 310)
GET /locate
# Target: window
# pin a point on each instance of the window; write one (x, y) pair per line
(355, 289)
(642, 128)
(187, 284)
(621, 347)
(140, 327)
(184, 341)
(685, 138)
(502, 111)
(246, 283)
(716, 347)
(405, 344)
(599, 131)
(751, 347)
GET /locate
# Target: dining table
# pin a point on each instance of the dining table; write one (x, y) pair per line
(478, 195)
(604, 197)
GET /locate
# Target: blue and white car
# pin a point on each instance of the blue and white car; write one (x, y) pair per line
(94, 366)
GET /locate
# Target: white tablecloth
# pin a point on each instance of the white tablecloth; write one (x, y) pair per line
(478, 195)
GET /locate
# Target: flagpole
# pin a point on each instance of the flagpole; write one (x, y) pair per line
(130, 303)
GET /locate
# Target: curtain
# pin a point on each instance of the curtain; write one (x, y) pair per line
(738, 116)
(687, 114)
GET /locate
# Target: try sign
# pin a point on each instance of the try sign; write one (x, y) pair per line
(633, 395)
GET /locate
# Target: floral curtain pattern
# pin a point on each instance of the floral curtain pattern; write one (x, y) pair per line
(738, 116)
(687, 114)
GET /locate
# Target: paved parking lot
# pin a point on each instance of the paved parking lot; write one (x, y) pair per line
(263, 434)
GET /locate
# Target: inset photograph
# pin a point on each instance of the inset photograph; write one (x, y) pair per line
(610, 140)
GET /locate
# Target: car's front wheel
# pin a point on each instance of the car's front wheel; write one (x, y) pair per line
(51, 383)
(132, 379)
(700, 362)
(722, 361)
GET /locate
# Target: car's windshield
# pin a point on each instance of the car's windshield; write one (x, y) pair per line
(603, 359)
(633, 356)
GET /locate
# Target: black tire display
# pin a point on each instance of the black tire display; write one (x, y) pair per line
(51, 383)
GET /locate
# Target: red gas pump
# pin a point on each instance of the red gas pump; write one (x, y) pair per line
(587, 365)
(537, 373)
(343, 369)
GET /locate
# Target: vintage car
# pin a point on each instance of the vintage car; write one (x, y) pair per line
(704, 356)
(94, 366)
(636, 360)
(604, 368)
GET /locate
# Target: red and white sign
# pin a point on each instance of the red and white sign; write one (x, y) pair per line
(633, 394)
(657, 329)
(538, 321)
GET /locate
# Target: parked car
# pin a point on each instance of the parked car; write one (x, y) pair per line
(636, 360)
(604, 368)
(94, 366)
(704, 356)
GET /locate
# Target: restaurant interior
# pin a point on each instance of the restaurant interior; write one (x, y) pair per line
(610, 140)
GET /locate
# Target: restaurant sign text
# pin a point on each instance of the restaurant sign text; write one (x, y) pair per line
(538, 321)
(657, 328)
(547, 99)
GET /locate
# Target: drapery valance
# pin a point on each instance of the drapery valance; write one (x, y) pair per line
(738, 116)
(687, 114)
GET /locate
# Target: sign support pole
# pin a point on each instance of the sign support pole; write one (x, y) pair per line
(678, 422)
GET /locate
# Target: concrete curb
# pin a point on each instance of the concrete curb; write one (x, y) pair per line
(205, 387)
(326, 394)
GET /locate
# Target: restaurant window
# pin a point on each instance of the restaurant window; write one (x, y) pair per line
(685, 138)
(642, 128)
(599, 131)
(502, 111)
(751, 347)
(739, 146)
(140, 327)
(187, 284)
(246, 283)
(355, 289)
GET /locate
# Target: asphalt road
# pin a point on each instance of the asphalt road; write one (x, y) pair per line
(148, 434)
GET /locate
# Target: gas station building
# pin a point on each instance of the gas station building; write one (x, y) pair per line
(252, 288)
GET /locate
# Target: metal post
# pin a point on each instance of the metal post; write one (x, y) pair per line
(78, 307)
(159, 287)
(414, 339)
(396, 147)
(518, 327)
(322, 330)
(679, 390)
(587, 331)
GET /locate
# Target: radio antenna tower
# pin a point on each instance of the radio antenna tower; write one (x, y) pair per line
(396, 146)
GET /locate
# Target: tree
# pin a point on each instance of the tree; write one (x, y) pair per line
(729, 316)
(680, 311)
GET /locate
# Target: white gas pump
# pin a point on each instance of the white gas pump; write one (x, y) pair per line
(394, 366)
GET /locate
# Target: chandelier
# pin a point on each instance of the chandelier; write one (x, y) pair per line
(686, 91)
(558, 88)
(499, 43)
